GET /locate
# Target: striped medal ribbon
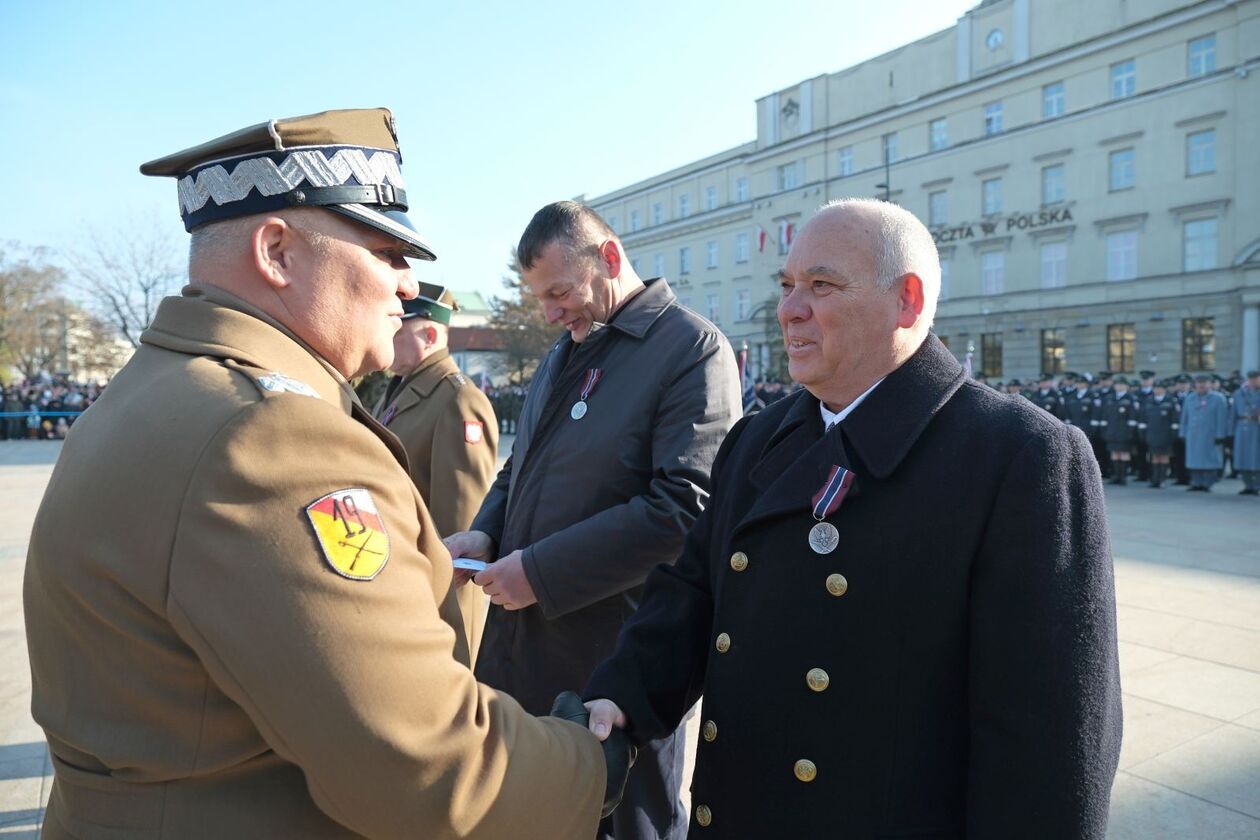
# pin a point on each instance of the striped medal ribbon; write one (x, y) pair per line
(593, 375)
(823, 537)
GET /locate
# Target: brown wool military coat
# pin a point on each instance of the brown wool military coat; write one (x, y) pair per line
(199, 665)
(452, 440)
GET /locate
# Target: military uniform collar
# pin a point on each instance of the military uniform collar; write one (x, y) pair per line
(430, 372)
(637, 315)
(209, 321)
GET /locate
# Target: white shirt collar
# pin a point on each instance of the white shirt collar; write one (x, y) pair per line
(831, 417)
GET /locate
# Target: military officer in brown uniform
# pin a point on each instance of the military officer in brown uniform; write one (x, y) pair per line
(446, 425)
(239, 612)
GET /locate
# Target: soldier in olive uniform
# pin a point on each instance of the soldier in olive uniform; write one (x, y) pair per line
(239, 614)
(446, 425)
(1119, 425)
(1158, 421)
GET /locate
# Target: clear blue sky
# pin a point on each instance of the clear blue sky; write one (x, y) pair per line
(501, 106)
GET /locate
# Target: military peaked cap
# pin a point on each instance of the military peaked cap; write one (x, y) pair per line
(344, 161)
(434, 303)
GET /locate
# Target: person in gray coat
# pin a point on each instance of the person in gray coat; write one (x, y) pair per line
(1247, 434)
(609, 470)
(1204, 426)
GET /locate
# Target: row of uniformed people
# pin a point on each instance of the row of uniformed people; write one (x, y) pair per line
(1161, 428)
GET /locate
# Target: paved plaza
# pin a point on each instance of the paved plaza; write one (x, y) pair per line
(1188, 585)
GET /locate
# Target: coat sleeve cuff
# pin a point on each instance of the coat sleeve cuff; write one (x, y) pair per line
(529, 562)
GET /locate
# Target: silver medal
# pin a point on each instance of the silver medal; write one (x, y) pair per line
(579, 410)
(824, 538)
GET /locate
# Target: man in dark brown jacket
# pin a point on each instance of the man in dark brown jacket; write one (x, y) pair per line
(609, 470)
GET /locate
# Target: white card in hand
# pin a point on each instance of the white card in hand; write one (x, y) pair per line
(469, 564)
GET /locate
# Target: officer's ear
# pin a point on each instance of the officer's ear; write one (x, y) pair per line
(272, 247)
(910, 299)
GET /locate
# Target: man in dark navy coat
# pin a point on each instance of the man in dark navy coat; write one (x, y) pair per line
(926, 669)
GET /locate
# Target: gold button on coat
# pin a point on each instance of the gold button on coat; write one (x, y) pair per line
(805, 770)
(723, 643)
(709, 730)
(837, 585)
(703, 815)
(739, 561)
(818, 679)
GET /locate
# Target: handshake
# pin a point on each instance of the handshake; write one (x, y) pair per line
(619, 753)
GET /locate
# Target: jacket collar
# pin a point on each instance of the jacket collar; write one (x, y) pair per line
(208, 321)
(638, 314)
(419, 384)
(872, 441)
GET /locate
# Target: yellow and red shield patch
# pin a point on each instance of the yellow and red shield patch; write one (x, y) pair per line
(351, 533)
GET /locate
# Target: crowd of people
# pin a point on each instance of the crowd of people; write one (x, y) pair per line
(1188, 430)
(45, 407)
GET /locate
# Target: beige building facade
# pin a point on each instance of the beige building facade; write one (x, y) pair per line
(1090, 171)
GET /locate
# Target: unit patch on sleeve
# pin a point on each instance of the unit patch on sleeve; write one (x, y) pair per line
(473, 431)
(351, 533)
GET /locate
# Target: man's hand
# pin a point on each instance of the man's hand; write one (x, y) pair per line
(475, 545)
(605, 714)
(505, 582)
(619, 753)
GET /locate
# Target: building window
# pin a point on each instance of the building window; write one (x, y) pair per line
(711, 254)
(1053, 101)
(741, 247)
(944, 279)
(992, 272)
(1053, 265)
(1201, 152)
(938, 208)
(612, 223)
(634, 221)
(743, 304)
(790, 176)
(741, 189)
(1121, 339)
(1199, 245)
(1053, 189)
(710, 198)
(938, 135)
(684, 260)
(991, 354)
(1198, 344)
(658, 213)
(1123, 79)
(991, 197)
(684, 206)
(1053, 351)
(846, 161)
(713, 305)
(992, 119)
(1201, 56)
(1121, 169)
(658, 265)
(1122, 255)
(889, 146)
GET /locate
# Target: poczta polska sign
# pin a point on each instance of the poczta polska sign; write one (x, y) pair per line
(1016, 221)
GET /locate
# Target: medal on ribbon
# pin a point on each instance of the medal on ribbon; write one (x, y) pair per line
(823, 537)
(593, 375)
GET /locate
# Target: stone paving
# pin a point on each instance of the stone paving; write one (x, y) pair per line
(1188, 587)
